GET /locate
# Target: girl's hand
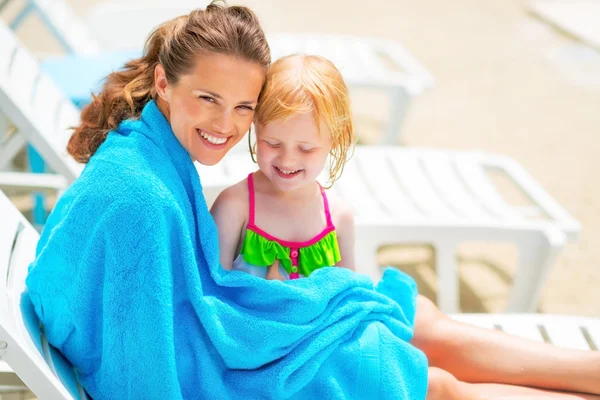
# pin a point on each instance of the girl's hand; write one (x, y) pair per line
(273, 272)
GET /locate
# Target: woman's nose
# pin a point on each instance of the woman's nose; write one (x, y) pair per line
(223, 122)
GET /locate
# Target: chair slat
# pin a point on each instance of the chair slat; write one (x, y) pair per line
(67, 25)
(439, 168)
(522, 329)
(8, 233)
(46, 101)
(355, 192)
(474, 176)
(566, 335)
(38, 108)
(386, 189)
(19, 325)
(411, 174)
(23, 76)
(406, 63)
(9, 45)
(593, 330)
(368, 63)
(23, 255)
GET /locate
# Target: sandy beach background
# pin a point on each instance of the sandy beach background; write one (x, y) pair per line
(505, 82)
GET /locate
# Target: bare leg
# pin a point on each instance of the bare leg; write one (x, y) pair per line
(491, 391)
(443, 386)
(475, 355)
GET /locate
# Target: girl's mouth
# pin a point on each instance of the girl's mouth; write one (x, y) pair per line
(286, 173)
(211, 140)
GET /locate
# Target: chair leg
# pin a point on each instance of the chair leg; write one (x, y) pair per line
(10, 384)
(10, 149)
(447, 273)
(399, 101)
(536, 258)
(37, 165)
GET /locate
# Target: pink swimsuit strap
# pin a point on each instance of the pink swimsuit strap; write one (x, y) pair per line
(252, 226)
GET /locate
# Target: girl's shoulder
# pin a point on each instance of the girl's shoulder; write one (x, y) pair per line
(233, 199)
(236, 193)
(342, 213)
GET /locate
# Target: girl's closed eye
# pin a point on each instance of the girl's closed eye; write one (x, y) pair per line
(272, 144)
(306, 149)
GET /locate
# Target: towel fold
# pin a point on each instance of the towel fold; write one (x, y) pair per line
(128, 285)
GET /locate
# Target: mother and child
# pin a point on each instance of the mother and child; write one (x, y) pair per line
(149, 295)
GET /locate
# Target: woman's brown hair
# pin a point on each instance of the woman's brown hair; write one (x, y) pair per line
(229, 30)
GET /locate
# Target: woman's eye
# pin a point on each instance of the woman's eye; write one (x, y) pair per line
(207, 98)
(247, 108)
(307, 150)
(273, 145)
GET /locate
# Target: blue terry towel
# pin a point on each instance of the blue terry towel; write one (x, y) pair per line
(128, 284)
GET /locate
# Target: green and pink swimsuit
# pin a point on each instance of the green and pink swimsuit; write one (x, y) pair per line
(296, 259)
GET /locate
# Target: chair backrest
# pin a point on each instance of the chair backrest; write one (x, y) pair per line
(64, 23)
(37, 107)
(23, 345)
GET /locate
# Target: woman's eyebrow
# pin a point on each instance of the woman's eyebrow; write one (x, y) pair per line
(219, 97)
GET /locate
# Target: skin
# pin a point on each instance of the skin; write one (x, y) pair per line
(475, 363)
(466, 362)
(298, 144)
(216, 98)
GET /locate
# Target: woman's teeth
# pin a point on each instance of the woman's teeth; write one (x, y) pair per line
(212, 139)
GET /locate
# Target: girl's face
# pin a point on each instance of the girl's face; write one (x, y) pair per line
(292, 152)
(211, 108)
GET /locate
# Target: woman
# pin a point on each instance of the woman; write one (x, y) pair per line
(127, 281)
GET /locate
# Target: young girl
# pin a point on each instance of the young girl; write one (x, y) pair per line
(279, 223)
(296, 131)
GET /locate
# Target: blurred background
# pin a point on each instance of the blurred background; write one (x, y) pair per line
(507, 79)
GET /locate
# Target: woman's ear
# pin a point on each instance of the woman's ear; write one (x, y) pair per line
(163, 89)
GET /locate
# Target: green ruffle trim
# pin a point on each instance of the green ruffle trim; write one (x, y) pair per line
(263, 252)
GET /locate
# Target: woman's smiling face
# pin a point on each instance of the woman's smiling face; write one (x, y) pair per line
(211, 108)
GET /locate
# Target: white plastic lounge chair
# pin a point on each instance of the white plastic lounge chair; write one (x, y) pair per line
(442, 198)
(579, 18)
(399, 195)
(372, 63)
(40, 112)
(24, 348)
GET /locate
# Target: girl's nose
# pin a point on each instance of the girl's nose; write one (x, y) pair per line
(287, 158)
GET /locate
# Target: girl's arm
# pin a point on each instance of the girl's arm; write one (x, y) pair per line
(344, 227)
(229, 211)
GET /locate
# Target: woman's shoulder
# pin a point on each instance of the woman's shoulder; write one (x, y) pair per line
(108, 186)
